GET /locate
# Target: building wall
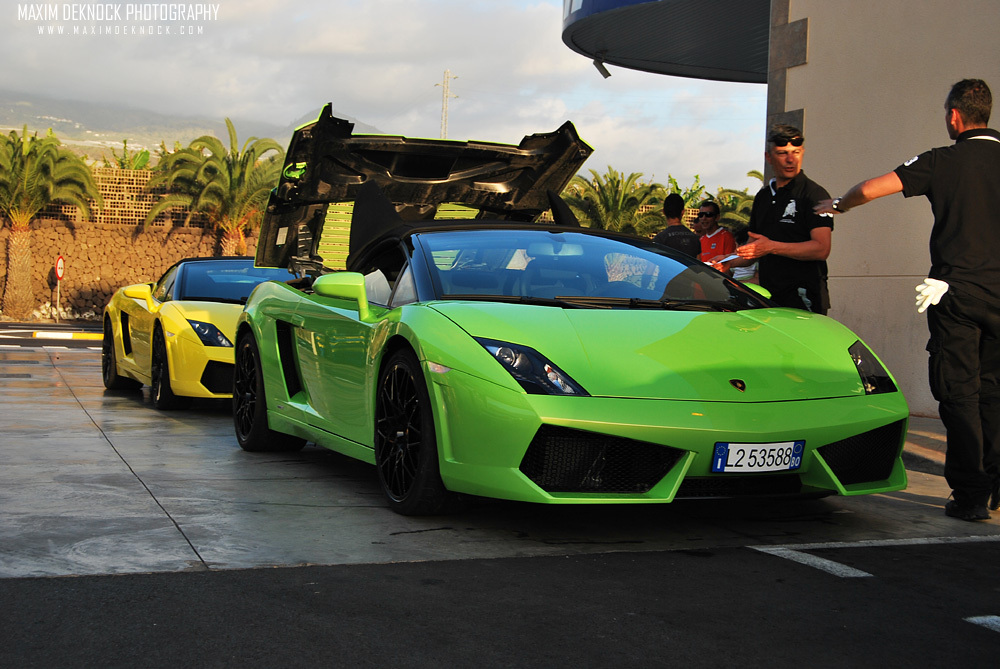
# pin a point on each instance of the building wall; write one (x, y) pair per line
(112, 248)
(102, 257)
(871, 95)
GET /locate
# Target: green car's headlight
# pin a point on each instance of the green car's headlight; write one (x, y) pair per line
(536, 374)
(209, 334)
(874, 376)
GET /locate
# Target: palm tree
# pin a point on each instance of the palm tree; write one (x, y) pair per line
(128, 159)
(693, 194)
(230, 187)
(735, 205)
(616, 202)
(34, 173)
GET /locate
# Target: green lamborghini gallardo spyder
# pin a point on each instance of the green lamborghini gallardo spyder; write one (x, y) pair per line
(465, 347)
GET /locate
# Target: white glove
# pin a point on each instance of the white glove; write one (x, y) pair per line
(930, 292)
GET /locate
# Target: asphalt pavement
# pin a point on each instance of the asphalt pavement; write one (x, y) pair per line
(921, 606)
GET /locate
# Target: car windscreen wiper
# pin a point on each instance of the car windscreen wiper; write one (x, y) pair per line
(563, 302)
(224, 300)
(643, 303)
(599, 302)
(698, 305)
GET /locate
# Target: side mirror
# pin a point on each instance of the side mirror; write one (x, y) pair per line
(760, 290)
(344, 286)
(139, 291)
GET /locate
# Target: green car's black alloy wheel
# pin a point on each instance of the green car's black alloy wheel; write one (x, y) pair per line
(405, 445)
(109, 363)
(250, 405)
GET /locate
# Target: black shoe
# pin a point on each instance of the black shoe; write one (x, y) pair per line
(995, 495)
(966, 511)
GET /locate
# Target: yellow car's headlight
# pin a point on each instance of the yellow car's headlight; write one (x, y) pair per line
(209, 334)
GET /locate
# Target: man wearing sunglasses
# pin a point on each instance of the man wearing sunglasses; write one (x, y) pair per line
(791, 241)
(716, 241)
(961, 294)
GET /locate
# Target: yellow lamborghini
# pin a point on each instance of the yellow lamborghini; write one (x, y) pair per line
(176, 335)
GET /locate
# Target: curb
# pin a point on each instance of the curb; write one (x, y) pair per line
(62, 334)
(922, 459)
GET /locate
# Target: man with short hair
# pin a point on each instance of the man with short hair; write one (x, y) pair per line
(676, 235)
(716, 241)
(962, 292)
(791, 241)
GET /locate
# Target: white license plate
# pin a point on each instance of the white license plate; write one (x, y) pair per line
(776, 457)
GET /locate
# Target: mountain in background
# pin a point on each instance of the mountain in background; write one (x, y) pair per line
(93, 129)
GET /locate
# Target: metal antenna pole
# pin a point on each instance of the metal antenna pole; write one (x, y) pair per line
(445, 94)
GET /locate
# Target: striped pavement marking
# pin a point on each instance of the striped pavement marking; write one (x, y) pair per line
(989, 622)
(795, 552)
(60, 334)
(51, 334)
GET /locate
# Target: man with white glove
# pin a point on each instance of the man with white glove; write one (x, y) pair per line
(930, 292)
(962, 293)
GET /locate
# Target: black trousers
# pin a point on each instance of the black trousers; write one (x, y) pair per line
(965, 380)
(814, 296)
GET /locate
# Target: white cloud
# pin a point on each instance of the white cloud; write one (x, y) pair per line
(379, 61)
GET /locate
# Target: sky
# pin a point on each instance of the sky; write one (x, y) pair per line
(383, 62)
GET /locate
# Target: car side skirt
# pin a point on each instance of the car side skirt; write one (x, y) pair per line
(280, 422)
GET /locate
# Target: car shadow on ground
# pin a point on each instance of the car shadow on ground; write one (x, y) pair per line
(196, 408)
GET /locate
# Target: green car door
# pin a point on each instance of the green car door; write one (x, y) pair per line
(332, 346)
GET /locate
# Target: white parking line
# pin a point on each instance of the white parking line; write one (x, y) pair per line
(829, 566)
(795, 552)
(989, 622)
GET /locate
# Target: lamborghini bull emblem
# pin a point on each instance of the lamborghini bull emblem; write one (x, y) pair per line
(739, 384)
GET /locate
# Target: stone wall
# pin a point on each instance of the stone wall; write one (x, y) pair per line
(100, 258)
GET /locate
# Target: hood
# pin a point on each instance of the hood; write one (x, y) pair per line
(326, 163)
(779, 354)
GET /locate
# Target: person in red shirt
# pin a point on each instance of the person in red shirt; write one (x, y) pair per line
(716, 241)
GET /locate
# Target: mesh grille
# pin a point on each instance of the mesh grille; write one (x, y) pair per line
(565, 460)
(218, 377)
(868, 456)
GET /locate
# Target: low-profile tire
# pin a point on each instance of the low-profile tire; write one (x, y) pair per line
(160, 392)
(109, 363)
(406, 453)
(250, 403)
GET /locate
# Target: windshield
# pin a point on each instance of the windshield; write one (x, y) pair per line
(225, 281)
(575, 269)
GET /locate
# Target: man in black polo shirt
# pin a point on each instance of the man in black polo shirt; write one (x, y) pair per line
(962, 292)
(790, 239)
(676, 235)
